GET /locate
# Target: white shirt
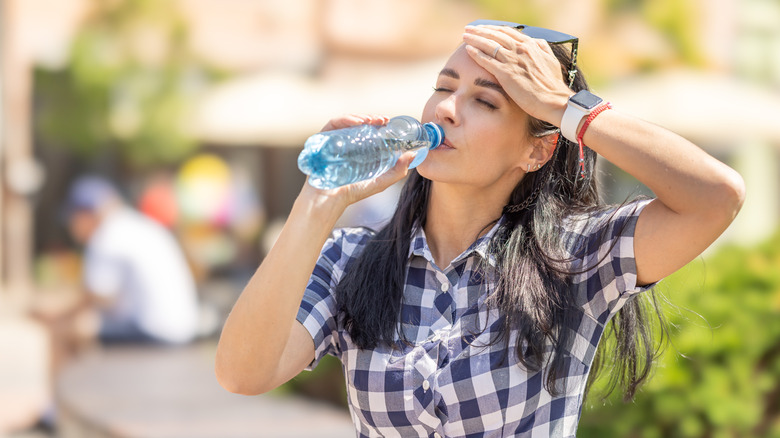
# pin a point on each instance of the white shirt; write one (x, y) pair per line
(138, 263)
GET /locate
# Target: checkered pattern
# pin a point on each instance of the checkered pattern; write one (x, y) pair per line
(452, 381)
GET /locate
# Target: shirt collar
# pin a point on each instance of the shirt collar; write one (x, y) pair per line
(419, 245)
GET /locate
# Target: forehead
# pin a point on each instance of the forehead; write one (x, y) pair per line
(464, 65)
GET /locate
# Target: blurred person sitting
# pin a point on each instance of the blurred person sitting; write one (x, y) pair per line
(134, 271)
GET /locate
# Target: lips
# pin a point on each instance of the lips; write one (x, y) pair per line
(445, 145)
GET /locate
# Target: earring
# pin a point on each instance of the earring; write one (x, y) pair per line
(538, 166)
(528, 169)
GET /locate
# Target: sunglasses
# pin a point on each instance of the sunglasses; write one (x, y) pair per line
(551, 36)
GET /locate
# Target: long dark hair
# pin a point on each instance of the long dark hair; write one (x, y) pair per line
(532, 292)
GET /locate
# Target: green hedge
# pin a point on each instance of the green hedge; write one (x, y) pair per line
(720, 376)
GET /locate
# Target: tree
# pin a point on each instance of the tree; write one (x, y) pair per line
(127, 88)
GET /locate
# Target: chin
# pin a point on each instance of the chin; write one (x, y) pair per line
(437, 175)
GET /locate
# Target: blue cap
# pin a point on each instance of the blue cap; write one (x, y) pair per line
(436, 136)
(89, 193)
(435, 133)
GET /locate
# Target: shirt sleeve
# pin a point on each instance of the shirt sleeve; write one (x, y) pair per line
(602, 247)
(318, 312)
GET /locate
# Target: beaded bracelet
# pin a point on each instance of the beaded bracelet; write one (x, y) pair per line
(598, 110)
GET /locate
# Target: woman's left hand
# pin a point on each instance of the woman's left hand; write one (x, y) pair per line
(525, 67)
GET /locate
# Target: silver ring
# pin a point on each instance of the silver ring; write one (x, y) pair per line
(495, 52)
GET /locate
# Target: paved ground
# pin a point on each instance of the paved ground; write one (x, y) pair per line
(146, 392)
(29, 434)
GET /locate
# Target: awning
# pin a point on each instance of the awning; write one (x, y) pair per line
(283, 109)
(712, 109)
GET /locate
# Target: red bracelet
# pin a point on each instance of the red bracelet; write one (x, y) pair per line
(598, 110)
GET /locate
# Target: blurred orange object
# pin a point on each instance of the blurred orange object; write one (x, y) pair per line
(158, 201)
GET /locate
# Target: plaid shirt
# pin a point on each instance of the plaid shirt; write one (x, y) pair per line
(452, 381)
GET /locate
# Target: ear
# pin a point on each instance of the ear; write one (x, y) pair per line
(543, 149)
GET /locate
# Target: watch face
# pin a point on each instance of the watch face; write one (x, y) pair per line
(586, 99)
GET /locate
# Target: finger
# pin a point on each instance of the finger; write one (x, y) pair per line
(488, 47)
(501, 42)
(486, 39)
(529, 45)
(515, 34)
(398, 171)
(544, 45)
(510, 38)
(484, 60)
(379, 184)
(348, 120)
(343, 122)
(366, 119)
(496, 33)
(512, 35)
(406, 159)
(376, 120)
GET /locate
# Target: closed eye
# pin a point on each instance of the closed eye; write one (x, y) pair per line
(487, 104)
(482, 102)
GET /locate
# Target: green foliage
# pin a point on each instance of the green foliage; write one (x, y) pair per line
(678, 21)
(324, 383)
(128, 84)
(528, 12)
(721, 376)
(675, 21)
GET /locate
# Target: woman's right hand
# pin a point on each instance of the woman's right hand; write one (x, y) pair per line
(346, 195)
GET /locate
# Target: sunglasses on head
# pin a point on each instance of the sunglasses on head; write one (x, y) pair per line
(551, 36)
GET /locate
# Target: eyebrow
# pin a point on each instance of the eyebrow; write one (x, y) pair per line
(478, 82)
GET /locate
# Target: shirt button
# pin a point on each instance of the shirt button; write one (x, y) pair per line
(445, 287)
(426, 385)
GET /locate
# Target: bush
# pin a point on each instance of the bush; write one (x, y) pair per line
(720, 376)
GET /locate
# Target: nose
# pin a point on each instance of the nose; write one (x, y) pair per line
(446, 111)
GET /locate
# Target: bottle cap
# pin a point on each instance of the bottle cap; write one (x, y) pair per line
(436, 136)
(435, 133)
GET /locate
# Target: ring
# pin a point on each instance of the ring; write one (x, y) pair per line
(495, 52)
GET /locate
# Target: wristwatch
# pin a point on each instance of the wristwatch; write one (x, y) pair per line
(579, 106)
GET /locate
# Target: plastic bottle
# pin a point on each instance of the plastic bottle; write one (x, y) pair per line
(344, 156)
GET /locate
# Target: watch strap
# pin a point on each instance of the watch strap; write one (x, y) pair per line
(571, 120)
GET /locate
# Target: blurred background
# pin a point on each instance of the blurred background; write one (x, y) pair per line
(197, 109)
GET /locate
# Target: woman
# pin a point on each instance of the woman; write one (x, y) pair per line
(477, 310)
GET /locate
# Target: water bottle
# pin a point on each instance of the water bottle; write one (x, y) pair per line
(344, 156)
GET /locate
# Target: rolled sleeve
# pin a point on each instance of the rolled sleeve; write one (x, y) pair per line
(603, 248)
(318, 312)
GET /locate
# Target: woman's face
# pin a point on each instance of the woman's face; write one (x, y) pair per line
(486, 140)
